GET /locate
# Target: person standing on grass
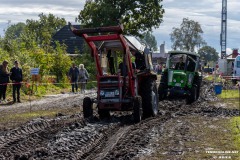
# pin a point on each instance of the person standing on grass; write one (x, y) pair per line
(73, 75)
(4, 80)
(16, 78)
(83, 77)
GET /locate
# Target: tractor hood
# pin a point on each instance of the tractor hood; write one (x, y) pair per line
(177, 78)
(180, 73)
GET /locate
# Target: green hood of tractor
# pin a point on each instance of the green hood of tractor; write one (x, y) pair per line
(177, 78)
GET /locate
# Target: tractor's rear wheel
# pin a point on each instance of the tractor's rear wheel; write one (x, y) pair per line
(149, 95)
(162, 86)
(137, 109)
(193, 95)
(199, 82)
(87, 107)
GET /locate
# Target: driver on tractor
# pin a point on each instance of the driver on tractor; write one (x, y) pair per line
(180, 65)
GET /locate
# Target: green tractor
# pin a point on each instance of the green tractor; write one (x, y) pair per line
(181, 77)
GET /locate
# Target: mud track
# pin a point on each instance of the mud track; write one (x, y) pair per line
(73, 137)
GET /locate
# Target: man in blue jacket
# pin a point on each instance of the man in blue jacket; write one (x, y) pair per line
(73, 75)
(16, 78)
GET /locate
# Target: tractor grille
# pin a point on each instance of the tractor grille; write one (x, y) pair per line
(178, 80)
(178, 77)
(109, 80)
(109, 87)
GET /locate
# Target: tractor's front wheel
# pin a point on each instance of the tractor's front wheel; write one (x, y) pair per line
(87, 107)
(193, 95)
(137, 109)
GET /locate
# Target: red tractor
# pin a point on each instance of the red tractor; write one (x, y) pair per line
(125, 77)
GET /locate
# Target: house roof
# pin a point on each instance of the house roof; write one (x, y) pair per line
(73, 42)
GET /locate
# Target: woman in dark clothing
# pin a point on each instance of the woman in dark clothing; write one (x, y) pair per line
(16, 78)
(4, 80)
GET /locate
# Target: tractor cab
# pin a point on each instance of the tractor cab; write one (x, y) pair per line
(117, 84)
(181, 68)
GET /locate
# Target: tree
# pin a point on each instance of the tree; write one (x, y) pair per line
(15, 30)
(150, 40)
(60, 63)
(208, 54)
(188, 36)
(11, 35)
(136, 16)
(44, 28)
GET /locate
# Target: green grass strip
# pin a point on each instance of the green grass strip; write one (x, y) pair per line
(235, 126)
(229, 94)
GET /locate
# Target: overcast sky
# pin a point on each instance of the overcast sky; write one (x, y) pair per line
(206, 12)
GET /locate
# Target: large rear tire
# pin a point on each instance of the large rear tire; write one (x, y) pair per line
(161, 92)
(163, 86)
(137, 109)
(87, 107)
(149, 95)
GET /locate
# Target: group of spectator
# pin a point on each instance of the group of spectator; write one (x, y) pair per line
(159, 68)
(78, 76)
(15, 75)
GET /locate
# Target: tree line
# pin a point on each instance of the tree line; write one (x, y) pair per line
(31, 42)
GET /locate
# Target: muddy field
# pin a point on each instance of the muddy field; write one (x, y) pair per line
(178, 132)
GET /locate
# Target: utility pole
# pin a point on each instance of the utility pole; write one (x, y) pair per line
(223, 35)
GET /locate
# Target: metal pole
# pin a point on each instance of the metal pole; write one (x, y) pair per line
(223, 35)
(239, 98)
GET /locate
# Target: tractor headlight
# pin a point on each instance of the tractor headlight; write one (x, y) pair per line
(102, 93)
(190, 78)
(116, 92)
(170, 76)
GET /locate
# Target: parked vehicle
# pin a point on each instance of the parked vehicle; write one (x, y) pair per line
(208, 70)
(236, 69)
(226, 66)
(127, 86)
(181, 82)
